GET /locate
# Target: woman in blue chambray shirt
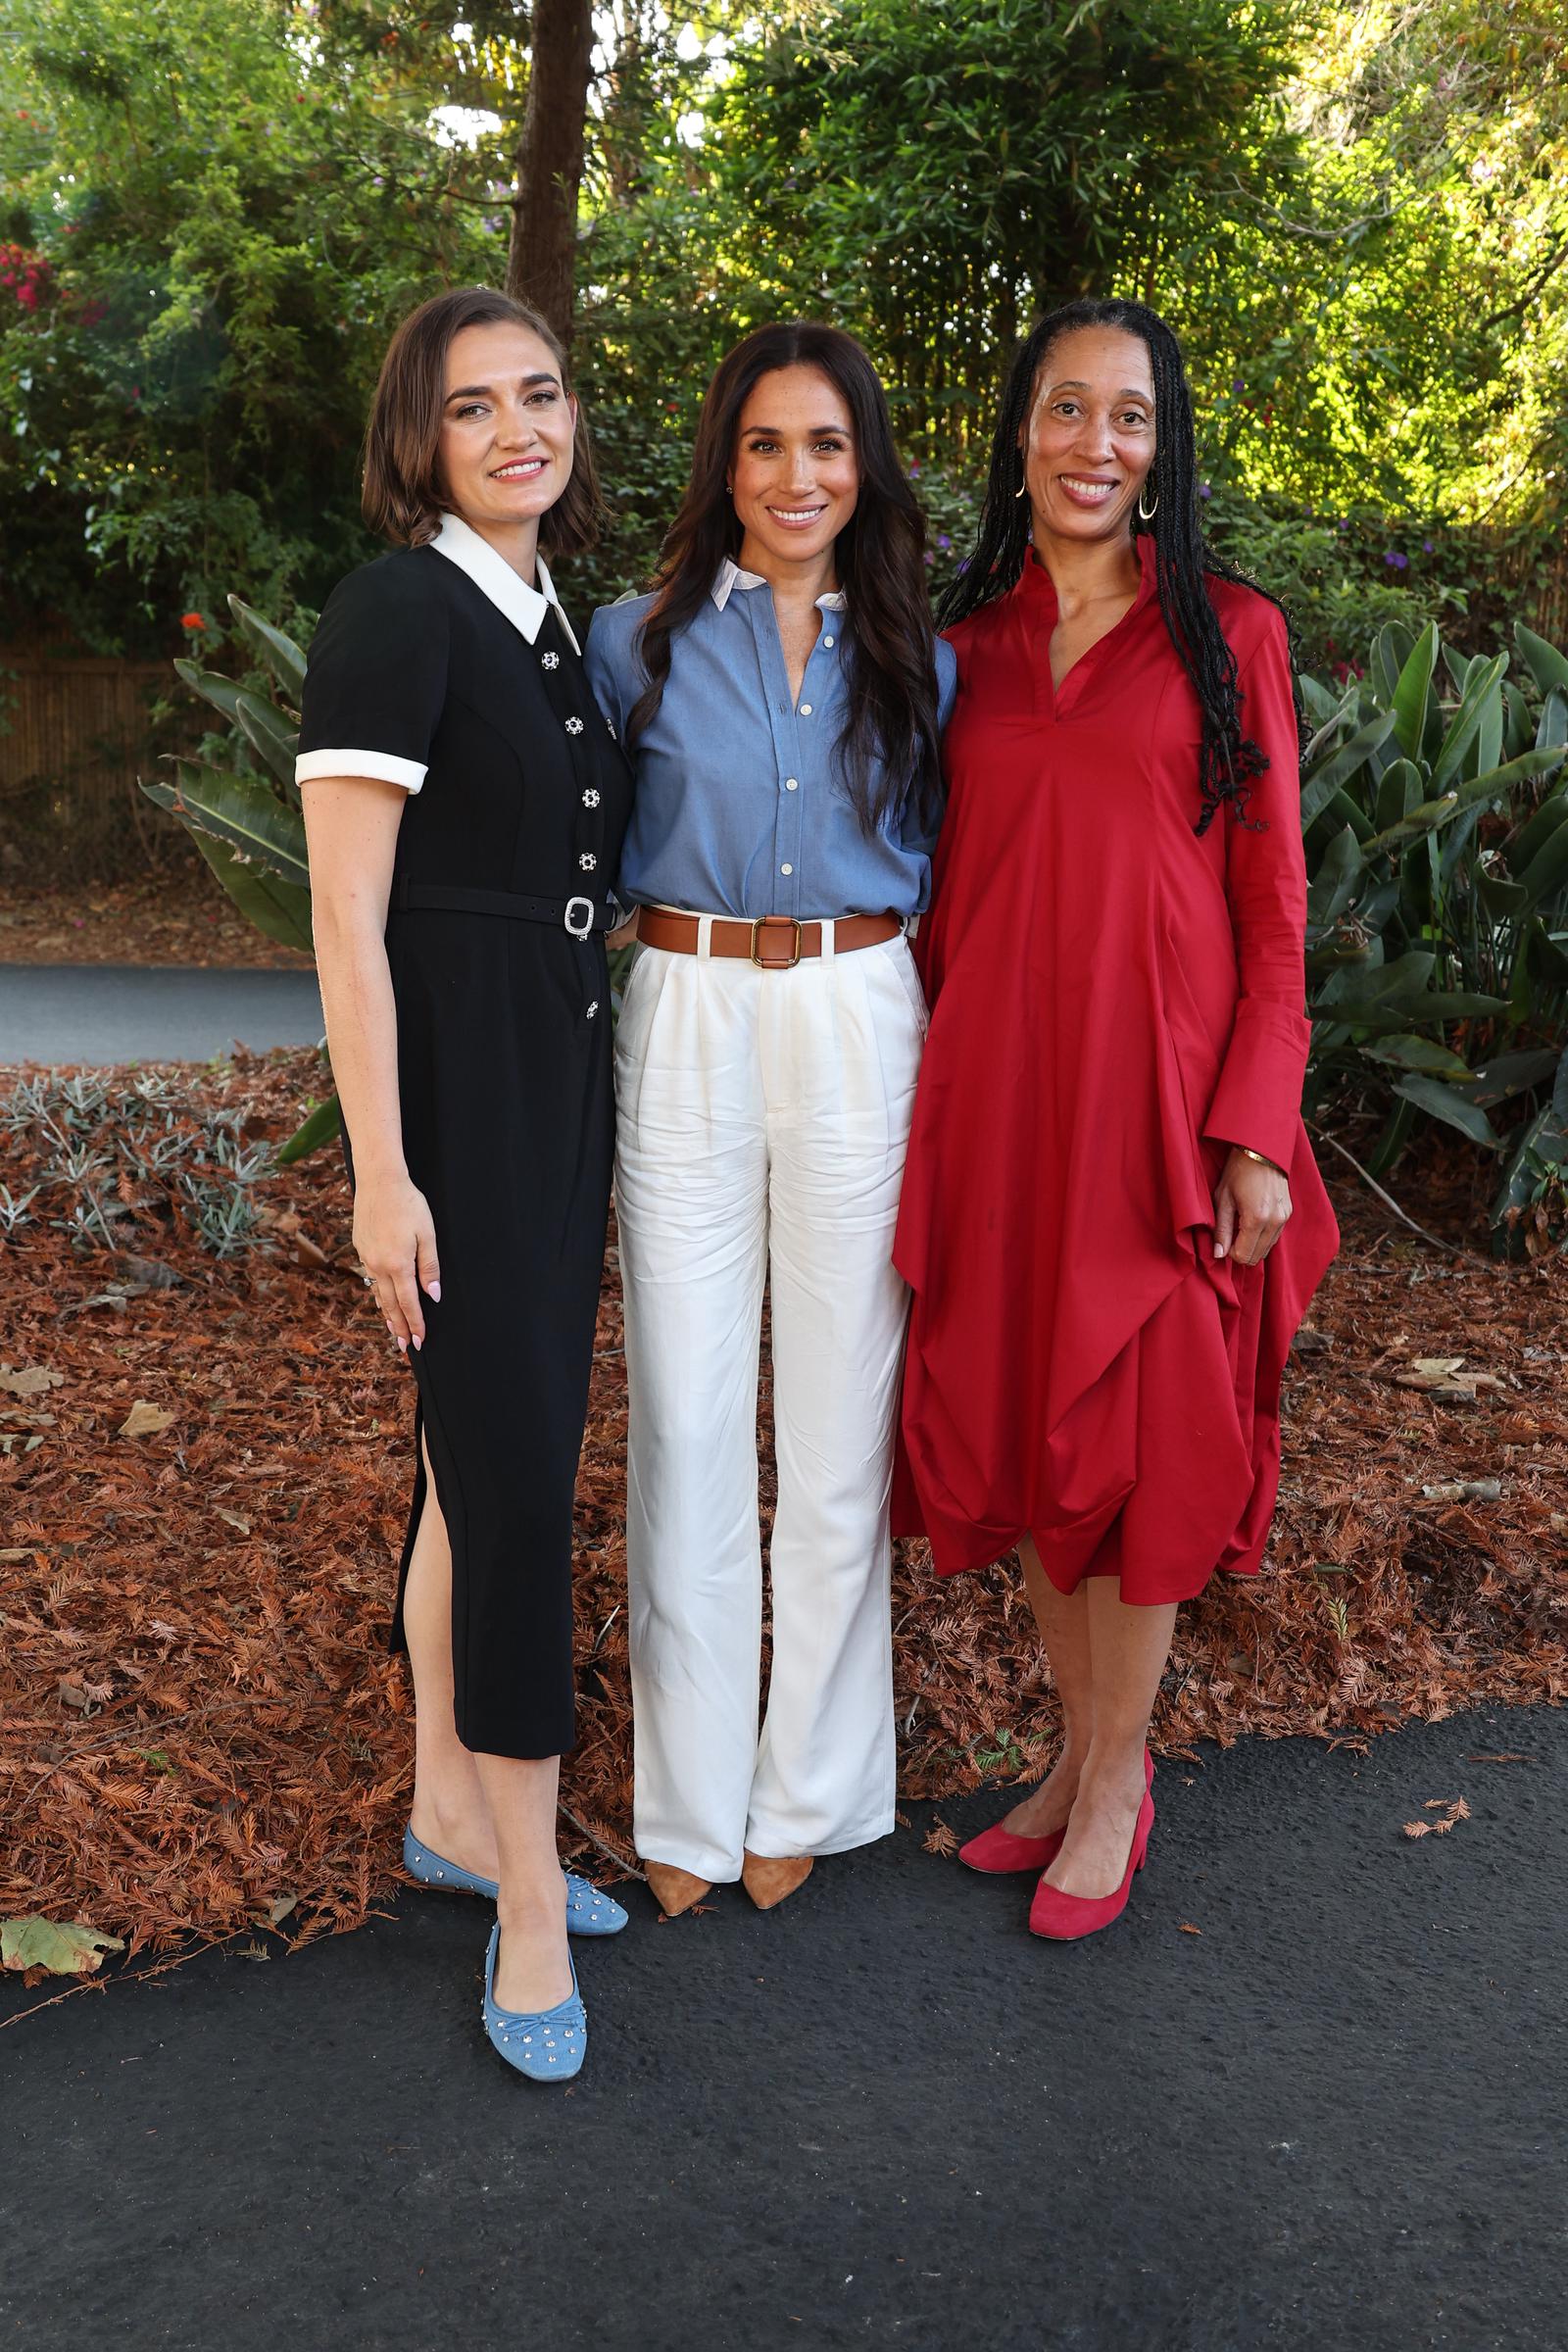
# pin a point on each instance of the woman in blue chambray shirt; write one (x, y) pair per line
(782, 695)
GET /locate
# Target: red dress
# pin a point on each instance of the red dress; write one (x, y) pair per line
(1115, 1001)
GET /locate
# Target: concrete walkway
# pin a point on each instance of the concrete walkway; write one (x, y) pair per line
(1308, 2096)
(107, 1012)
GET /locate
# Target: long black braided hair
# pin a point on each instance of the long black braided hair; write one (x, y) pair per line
(1228, 760)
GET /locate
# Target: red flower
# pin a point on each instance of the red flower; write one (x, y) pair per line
(191, 620)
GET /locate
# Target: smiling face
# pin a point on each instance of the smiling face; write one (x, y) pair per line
(795, 473)
(507, 427)
(1089, 440)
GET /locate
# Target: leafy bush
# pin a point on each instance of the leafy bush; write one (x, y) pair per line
(1435, 811)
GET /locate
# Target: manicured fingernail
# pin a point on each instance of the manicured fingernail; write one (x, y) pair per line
(417, 1341)
(433, 1290)
(403, 1345)
(1219, 1248)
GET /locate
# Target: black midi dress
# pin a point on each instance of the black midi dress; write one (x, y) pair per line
(438, 668)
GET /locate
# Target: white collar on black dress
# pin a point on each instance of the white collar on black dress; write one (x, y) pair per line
(525, 606)
(731, 576)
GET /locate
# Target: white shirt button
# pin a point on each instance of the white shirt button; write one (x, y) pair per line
(827, 641)
(786, 869)
(791, 783)
(805, 709)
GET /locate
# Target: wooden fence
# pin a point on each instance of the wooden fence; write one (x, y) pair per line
(75, 732)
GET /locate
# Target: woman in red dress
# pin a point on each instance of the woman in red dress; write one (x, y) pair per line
(1111, 1219)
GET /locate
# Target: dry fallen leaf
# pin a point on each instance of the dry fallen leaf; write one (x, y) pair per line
(145, 1420)
(72, 1950)
(235, 1519)
(939, 1839)
(1185, 1927)
(32, 1382)
(1418, 1829)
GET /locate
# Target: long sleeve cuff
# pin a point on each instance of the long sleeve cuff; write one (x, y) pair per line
(1257, 1101)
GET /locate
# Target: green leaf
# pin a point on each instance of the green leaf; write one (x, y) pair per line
(323, 1125)
(1431, 1095)
(1552, 732)
(1413, 690)
(1506, 1076)
(1425, 819)
(1406, 1052)
(1333, 883)
(238, 809)
(282, 910)
(1547, 871)
(1545, 958)
(1538, 830)
(279, 651)
(1544, 1140)
(1481, 687)
(1399, 792)
(1319, 786)
(1545, 664)
(221, 693)
(66, 1949)
(266, 731)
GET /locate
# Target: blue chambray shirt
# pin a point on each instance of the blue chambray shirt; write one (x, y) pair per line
(739, 808)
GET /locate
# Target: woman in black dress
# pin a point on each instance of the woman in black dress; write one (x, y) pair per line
(465, 804)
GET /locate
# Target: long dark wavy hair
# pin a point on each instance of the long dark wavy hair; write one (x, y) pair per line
(1184, 564)
(888, 749)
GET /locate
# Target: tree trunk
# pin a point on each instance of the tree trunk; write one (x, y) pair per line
(541, 260)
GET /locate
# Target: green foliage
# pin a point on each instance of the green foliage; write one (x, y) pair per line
(247, 822)
(1435, 813)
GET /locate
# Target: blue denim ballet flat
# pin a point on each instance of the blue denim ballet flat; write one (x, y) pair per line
(548, 2045)
(589, 1911)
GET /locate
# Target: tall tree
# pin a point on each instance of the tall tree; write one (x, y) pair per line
(541, 259)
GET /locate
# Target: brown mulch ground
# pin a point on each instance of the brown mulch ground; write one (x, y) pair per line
(184, 916)
(202, 1731)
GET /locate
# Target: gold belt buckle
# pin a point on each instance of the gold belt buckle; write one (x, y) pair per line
(768, 963)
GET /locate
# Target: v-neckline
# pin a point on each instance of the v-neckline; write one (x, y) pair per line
(1036, 582)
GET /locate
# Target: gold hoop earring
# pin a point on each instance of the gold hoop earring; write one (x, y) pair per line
(1147, 514)
(1024, 481)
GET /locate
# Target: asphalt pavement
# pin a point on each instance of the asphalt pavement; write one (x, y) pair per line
(1310, 2093)
(106, 1012)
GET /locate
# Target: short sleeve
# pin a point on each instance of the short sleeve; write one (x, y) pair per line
(375, 678)
(615, 673)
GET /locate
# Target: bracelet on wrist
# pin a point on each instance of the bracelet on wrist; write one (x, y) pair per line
(1261, 1157)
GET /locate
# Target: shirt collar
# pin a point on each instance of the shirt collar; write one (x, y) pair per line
(1035, 581)
(730, 576)
(525, 606)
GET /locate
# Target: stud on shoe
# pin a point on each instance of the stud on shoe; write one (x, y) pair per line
(768, 1878)
(1000, 1849)
(548, 2045)
(674, 1891)
(589, 1911)
(1064, 1918)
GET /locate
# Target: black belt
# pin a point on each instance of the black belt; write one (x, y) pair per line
(581, 917)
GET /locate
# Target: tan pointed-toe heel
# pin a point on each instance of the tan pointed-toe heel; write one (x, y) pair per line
(675, 1890)
(768, 1878)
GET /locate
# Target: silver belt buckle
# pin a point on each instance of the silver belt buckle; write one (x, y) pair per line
(580, 930)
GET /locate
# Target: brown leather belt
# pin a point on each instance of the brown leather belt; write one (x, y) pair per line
(774, 943)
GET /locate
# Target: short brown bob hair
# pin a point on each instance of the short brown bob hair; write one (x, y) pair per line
(403, 498)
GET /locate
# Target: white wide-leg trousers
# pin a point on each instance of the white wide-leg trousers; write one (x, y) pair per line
(763, 1121)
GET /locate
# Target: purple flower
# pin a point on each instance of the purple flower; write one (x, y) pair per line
(929, 557)
(943, 540)
(1203, 490)
(1396, 561)
(1236, 384)
(1426, 547)
(914, 469)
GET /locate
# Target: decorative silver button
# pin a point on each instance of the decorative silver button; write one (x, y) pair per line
(550, 660)
(574, 726)
(587, 861)
(805, 709)
(590, 800)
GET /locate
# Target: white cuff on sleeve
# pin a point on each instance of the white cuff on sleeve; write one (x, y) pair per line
(385, 766)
